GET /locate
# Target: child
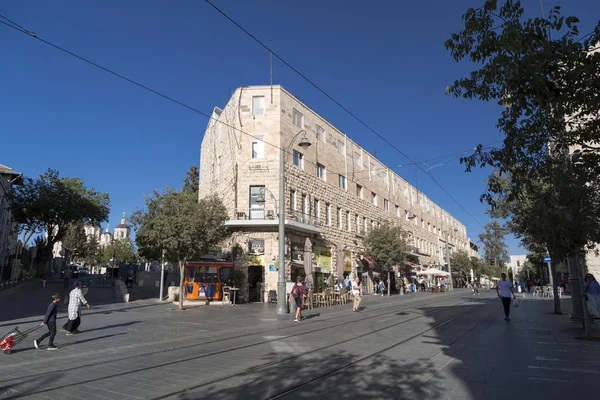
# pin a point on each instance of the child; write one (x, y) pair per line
(50, 322)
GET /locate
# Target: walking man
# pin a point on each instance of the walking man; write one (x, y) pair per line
(356, 293)
(298, 293)
(75, 300)
(504, 288)
(50, 322)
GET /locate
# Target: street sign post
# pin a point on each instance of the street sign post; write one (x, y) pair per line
(547, 259)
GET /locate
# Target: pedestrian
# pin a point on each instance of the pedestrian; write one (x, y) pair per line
(44, 277)
(356, 294)
(66, 277)
(504, 288)
(129, 279)
(592, 293)
(50, 322)
(298, 293)
(381, 287)
(76, 298)
(475, 287)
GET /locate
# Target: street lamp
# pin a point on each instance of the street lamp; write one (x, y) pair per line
(304, 143)
(450, 283)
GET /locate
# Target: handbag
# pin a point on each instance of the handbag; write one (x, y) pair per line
(515, 303)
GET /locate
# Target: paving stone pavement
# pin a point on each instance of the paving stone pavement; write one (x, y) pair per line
(434, 346)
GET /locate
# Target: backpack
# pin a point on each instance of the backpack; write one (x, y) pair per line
(295, 293)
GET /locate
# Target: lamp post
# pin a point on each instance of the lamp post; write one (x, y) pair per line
(282, 307)
(450, 283)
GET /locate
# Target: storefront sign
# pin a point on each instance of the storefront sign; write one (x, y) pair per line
(297, 253)
(323, 258)
(256, 247)
(214, 253)
(347, 261)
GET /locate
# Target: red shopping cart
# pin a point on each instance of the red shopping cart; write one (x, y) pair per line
(14, 337)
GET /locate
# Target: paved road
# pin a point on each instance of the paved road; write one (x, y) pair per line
(442, 346)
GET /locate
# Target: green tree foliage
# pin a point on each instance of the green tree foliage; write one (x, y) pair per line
(461, 264)
(182, 226)
(50, 204)
(542, 68)
(191, 183)
(495, 248)
(74, 241)
(122, 249)
(388, 245)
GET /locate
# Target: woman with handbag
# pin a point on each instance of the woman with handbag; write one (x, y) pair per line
(592, 292)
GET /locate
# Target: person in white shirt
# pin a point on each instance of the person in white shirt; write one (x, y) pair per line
(356, 293)
(504, 288)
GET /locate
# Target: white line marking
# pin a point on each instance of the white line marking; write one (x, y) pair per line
(585, 371)
(534, 378)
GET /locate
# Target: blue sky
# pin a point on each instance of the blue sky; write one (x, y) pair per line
(383, 60)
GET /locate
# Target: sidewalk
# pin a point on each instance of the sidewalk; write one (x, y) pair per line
(537, 355)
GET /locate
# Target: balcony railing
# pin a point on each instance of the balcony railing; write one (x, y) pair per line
(259, 216)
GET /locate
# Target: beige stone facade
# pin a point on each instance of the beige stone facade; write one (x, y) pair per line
(335, 191)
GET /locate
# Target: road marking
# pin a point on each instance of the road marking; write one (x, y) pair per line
(535, 378)
(539, 358)
(585, 371)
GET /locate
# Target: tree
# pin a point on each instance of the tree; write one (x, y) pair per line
(461, 264)
(50, 204)
(191, 183)
(121, 249)
(182, 226)
(74, 241)
(495, 249)
(91, 255)
(388, 245)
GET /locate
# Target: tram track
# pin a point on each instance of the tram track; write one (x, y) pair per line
(240, 347)
(243, 335)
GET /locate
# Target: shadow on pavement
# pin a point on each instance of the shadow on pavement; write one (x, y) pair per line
(359, 381)
(90, 339)
(110, 326)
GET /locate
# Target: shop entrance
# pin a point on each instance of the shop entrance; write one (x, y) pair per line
(255, 283)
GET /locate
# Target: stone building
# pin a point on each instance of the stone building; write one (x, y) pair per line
(8, 227)
(335, 192)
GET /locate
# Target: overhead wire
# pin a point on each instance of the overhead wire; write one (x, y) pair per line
(23, 30)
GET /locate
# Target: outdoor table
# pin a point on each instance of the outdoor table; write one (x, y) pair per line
(234, 290)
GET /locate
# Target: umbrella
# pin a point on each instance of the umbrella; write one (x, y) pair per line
(434, 271)
(339, 263)
(308, 262)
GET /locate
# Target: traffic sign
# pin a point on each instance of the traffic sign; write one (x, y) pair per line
(547, 259)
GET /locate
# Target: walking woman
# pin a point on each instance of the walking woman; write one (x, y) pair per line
(504, 288)
(75, 300)
(592, 292)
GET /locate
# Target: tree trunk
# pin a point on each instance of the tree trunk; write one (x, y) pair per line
(181, 288)
(555, 287)
(389, 281)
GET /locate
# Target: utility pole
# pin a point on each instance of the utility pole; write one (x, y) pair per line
(162, 275)
(450, 284)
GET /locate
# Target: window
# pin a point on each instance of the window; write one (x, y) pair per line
(348, 227)
(298, 159)
(357, 223)
(219, 169)
(365, 225)
(328, 214)
(304, 204)
(298, 119)
(258, 147)
(341, 148)
(373, 198)
(316, 208)
(386, 204)
(257, 211)
(397, 211)
(342, 182)
(258, 105)
(358, 159)
(293, 200)
(320, 134)
(339, 218)
(372, 169)
(320, 171)
(359, 191)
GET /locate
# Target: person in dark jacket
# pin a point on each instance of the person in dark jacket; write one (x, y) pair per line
(50, 322)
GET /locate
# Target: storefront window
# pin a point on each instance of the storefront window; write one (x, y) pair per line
(226, 274)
